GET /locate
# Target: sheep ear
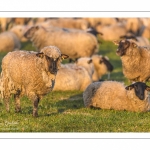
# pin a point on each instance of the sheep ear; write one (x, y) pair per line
(89, 61)
(41, 55)
(130, 87)
(147, 88)
(116, 42)
(134, 45)
(64, 56)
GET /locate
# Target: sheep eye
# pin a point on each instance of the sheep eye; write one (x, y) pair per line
(100, 61)
(135, 87)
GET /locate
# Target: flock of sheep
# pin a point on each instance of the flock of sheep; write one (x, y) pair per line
(36, 73)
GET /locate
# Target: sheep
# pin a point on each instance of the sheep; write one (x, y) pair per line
(29, 73)
(4, 24)
(102, 66)
(114, 95)
(10, 40)
(135, 60)
(111, 32)
(74, 76)
(139, 40)
(74, 43)
(72, 23)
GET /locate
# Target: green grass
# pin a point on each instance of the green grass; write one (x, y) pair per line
(65, 111)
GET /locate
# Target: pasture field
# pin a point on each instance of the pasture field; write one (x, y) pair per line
(65, 111)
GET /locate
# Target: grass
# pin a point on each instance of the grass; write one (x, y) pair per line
(65, 111)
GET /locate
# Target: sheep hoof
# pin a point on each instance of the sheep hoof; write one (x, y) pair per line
(35, 114)
(17, 110)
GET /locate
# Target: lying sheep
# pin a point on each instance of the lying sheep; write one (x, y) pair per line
(74, 76)
(74, 43)
(29, 73)
(102, 66)
(10, 40)
(114, 95)
(135, 60)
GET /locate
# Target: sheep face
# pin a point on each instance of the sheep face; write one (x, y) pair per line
(139, 88)
(123, 45)
(51, 62)
(30, 32)
(107, 63)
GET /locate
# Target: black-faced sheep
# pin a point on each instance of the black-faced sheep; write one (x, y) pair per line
(135, 60)
(102, 66)
(114, 95)
(29, 73)
(74, 76)
(74, 43)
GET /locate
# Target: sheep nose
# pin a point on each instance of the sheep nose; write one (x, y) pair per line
(141, 97)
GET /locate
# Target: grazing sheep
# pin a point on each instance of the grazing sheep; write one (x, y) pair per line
(10, 40)
(114, 95)
(102, 66)
(135, 60)
(73, 42)
(29, 73)
(74, 76)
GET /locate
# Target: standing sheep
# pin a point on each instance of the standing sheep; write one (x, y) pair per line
(29, 73)
(74, 43)
(102, 66)
(74, 76)
(135, 60)
(114, 95)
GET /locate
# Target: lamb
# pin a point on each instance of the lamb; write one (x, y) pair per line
(74, 76)
(74, 43)
(102, 66)
(135, 60)
(114, 95)
(29, 73)
(10, 40)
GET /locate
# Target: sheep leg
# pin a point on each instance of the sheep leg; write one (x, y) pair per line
(17, 103)
(35, 107)
(35, 101)
(6, 101)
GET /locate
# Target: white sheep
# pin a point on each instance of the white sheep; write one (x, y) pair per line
(114, 95)
(135, 60)
(29, 73)
(11, 40)
(78, 23)
(73, 42)
(74, 76)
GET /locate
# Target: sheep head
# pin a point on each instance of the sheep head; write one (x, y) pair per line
(30, 32)
(123, 45)
(139, 88)
(105, 60)
(51, 57)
